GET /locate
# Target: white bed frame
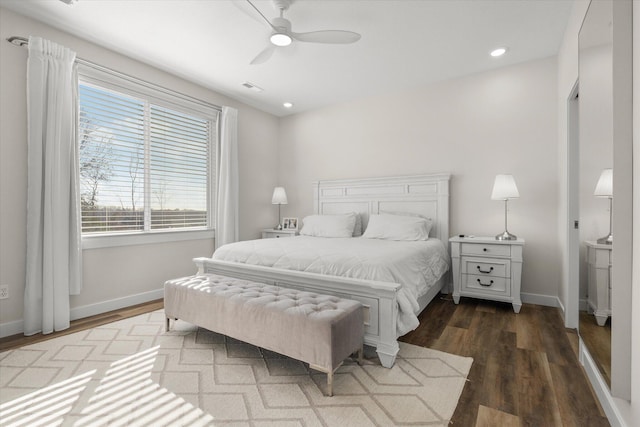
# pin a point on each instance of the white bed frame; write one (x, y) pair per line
(426, 195)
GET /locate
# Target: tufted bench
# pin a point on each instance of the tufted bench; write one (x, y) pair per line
(320, 330)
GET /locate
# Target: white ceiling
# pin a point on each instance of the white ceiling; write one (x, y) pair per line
(404, 44)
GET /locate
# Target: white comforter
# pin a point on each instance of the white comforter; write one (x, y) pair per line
(416, 265)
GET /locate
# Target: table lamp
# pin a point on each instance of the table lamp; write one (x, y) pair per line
(504, 188)
(604, 188)
(279, 198)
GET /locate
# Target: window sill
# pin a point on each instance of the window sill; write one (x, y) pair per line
(148, 238)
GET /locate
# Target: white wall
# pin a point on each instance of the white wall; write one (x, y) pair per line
(475, 127)
(113, 276)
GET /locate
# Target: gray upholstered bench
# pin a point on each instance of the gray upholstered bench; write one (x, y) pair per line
(321, 330)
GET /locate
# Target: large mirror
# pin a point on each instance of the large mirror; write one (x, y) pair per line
(596, 182)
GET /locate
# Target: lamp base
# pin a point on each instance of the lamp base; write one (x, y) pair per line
(506, 236)
(278, 227)
(606, 240)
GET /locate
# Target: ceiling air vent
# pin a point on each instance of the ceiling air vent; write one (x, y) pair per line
(253, 87)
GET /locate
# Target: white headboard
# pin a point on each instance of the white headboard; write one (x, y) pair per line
(427, 195)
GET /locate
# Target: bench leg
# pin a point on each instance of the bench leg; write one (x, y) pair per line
(329, 373)
(166, 326)
(361, 355)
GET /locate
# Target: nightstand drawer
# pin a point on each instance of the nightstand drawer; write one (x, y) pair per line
(276, 234)
(486, 267)
(599, 258)
(493, 285)
(487, 249)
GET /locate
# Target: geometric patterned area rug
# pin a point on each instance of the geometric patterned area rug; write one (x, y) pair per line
(133, 373)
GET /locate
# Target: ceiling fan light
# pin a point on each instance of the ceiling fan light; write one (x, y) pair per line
(498, 52)
(280, 39)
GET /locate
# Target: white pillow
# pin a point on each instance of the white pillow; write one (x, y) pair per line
(329, 225)
(405, 214)
(357, 230)
(397, 227)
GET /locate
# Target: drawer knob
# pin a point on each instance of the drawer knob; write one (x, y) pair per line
(485, 284)
(485, 249)
(484, 271)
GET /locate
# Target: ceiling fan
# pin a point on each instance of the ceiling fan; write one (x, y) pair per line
(282, 35)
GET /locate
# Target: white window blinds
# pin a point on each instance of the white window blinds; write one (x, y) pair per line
(145, 164)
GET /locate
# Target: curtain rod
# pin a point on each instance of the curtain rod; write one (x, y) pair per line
(24, 42)
(18, 41)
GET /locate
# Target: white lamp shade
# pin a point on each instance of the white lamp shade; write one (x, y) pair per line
(604, 187)
(504, 188)
(279, 196)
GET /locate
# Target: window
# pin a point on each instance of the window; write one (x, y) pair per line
(146, 157)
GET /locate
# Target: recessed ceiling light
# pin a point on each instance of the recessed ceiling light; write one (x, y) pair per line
(287, 105)
(498, 52)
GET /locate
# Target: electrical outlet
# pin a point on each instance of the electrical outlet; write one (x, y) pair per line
(4, 291)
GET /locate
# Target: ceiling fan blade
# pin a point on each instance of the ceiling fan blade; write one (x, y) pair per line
(327, 36)
(263, 17)
(263, 56)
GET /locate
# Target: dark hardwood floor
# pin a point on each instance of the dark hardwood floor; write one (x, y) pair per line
(598, 341)
(525, 368)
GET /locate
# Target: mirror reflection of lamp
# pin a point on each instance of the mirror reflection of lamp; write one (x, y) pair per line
(604, 188)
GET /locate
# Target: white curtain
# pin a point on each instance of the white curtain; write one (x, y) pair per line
(53, 209)
(227, 200)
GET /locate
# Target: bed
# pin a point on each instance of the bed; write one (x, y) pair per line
(386, 277)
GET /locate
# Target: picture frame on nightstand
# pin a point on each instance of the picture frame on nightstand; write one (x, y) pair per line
(290, 223)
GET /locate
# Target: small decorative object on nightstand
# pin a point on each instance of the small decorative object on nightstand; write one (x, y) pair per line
(599, 280)
(486, 268)
(290, 224)
(270, 233)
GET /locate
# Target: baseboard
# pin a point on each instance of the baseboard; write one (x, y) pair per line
(600, 387)
(538, 299)
(17, 326)
(11, 328)
(115, 304)
(560, 305)
(583, 304)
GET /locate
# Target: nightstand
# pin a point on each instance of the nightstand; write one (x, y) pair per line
(270, 233)
(486, 268)
(599, 280)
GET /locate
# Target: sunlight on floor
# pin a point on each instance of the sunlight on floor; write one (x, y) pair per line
(46, 406)
(126, 395)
